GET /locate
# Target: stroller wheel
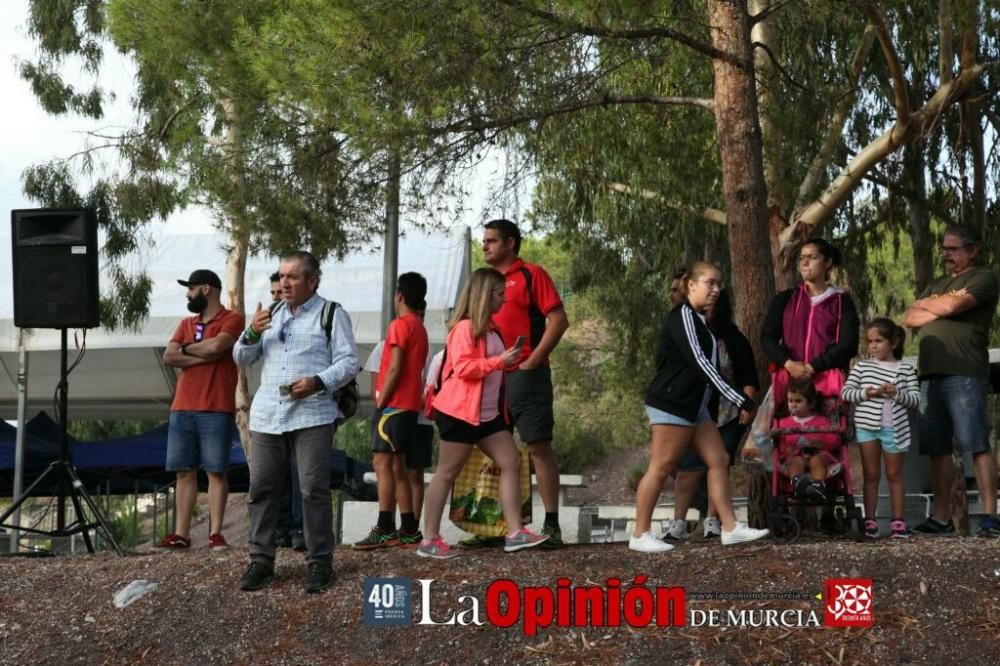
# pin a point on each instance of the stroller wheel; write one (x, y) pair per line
(783, 527)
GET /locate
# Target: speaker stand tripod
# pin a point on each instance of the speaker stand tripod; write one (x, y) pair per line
(62, 470)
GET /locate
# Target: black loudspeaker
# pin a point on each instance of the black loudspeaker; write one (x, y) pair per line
(55, 268)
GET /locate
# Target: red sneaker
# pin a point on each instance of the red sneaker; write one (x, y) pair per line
(173, 541)
(217, 542)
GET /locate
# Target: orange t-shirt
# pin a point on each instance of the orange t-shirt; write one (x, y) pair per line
(209, 387)
(408, 333)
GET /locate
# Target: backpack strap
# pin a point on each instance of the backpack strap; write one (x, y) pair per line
(326, 319)
(536, 319)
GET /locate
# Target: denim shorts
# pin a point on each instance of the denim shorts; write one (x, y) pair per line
(199, 439)
(953, 405)
(660, 417)
(886, 436)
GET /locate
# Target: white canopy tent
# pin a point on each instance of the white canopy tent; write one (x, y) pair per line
(122, 374)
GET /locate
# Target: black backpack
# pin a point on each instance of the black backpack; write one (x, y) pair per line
(348, 397)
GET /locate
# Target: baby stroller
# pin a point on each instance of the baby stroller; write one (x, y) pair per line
(788, 512)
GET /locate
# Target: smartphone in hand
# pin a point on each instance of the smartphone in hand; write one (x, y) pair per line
(521, 339)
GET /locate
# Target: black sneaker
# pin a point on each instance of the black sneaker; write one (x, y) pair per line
(320, 577)
(298, 541)
(934, 526)
(816, 491)
(282, 540)
(256, 576)
(989, 526)
(554, 534)
(800, 485)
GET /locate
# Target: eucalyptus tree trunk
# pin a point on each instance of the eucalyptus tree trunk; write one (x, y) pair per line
(919, 216)
(743, 185)
(236, 265)
(745, 193)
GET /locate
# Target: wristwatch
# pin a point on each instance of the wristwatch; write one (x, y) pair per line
(319, 383)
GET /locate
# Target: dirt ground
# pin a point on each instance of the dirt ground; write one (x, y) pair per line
(935, 601)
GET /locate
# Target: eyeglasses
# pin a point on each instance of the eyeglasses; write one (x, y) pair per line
(711, 284)
(947, 249)
(199, 331)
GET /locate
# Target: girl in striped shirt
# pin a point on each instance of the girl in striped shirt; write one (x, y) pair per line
(883, 389)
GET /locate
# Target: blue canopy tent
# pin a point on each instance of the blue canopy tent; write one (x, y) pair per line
(126, 465)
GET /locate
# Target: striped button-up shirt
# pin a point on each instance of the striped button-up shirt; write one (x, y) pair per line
(294, 347)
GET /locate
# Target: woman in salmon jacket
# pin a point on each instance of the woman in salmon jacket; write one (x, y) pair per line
(471, 410)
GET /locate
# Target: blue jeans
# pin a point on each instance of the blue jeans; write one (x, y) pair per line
(199, 439)
(953, 405)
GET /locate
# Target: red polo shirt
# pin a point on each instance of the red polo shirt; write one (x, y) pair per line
(515, 317)
(209, 387)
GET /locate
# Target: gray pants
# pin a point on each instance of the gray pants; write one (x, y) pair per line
(310, 448)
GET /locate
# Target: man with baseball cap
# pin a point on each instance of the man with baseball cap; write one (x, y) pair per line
(200, 430)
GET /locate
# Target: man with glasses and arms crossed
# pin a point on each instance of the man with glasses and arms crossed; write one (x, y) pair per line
(293, 415)
(200, 431)
(953, 317)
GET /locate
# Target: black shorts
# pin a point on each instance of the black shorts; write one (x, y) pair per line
(421, 454)
(529, 396)
(393, 430)
(463, 432)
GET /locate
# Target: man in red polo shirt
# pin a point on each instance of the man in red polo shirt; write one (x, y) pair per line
(200, 431)
(534, 310)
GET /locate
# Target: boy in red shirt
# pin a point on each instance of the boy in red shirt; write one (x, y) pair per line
(398, 397)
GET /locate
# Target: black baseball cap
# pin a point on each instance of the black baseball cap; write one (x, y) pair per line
(202, 276)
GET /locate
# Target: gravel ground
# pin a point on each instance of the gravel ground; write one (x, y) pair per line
(935, 601)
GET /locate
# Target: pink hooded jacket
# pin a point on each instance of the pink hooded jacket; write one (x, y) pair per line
(464, 369)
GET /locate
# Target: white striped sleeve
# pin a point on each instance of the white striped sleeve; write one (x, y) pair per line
(707, 367)
(908, 390)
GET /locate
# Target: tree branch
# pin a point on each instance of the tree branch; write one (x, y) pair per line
(633, 33)
(945, 53)
(762, 16)
(834, 136)
(919, 123)
(900, 87)
(774, 61)
(478, 125)
(710, 214)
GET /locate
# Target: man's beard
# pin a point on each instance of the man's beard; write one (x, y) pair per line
(198, 304)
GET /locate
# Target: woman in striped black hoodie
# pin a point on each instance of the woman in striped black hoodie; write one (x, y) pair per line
(681, 402)
(883, 388)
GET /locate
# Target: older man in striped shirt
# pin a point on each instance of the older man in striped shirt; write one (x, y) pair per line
(293, 414)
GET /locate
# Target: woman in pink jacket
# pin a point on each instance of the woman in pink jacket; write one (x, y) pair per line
(471, 410)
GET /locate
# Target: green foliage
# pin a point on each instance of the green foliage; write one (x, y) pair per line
(635, 472)
(98, 429)
(354, 438)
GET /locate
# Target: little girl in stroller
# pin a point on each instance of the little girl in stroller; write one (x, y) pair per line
(807, 443)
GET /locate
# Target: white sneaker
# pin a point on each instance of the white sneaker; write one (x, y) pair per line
(676, 529)
(648, 543)
(741, 534)
(713, 527)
